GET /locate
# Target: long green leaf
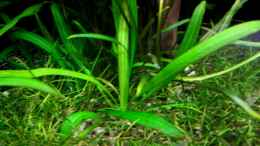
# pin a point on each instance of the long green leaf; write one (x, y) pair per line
(234, 67)
(43, 28)
(158, 30)
(175, 25)
(26, 13)
(94, 36)
(122, 36)
(167, 29)
(64, 32)
(60, 72)
(28, 83)
(42, 43)
(133, 11)
(192, 33)
(99, 37)
(226, 20)
(242, 103)
(149, 120)
(201, 50)
(74, 120)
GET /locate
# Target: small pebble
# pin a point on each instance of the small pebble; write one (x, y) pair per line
(6, 93)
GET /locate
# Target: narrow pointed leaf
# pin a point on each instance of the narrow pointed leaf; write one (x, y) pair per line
(27, 12)
(40, 72)
(133, 31)
(192, 33)
(196, 53)
(216, 74)
(28, 83)
(175, 25)
(94, 36)
(64, 31)
(42, 43)
(242, 103)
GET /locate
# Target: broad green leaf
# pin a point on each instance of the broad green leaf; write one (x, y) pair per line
(28, 83)
(192, 33)
(42, 43)
(149, 120)
(40, 72)
(196, 53)
(74, 120)
(27, 12)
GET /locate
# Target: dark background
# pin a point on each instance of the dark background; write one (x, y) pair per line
(95, 13)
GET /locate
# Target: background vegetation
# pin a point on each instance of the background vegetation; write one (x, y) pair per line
(92, 73)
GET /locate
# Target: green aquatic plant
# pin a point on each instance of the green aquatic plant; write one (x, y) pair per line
(124, 46)
(190, 52)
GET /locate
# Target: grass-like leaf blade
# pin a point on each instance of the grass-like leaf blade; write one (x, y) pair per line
(192, 33)
(175, 25)
(42, 43)
(94, 36)
(121, 16)
(232, 94)
(216, 74)
(64, 32)
(27, 12)
(133, 31)
(199, 51)
(28, 83)
(40, 72)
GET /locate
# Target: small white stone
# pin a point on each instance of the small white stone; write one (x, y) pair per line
(192, 73)
(99, 130)
(149, 104)
(187, 69)
(93, 100)
(6, 93)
